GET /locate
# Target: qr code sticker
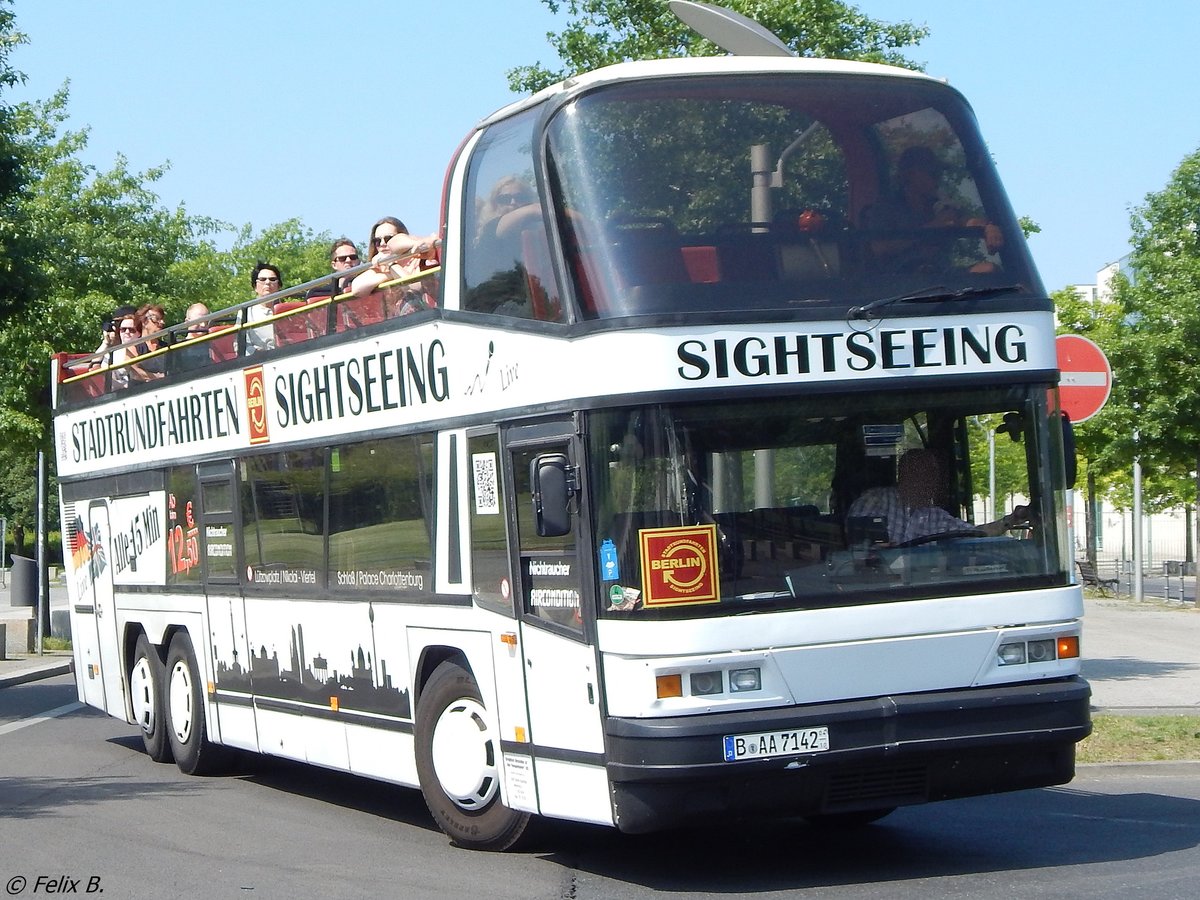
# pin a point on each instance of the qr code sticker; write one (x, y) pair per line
(484, 476)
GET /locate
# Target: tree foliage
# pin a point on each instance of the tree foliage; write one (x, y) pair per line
(76, 242)
(18, 277)
(604, 32)
(1149, 331)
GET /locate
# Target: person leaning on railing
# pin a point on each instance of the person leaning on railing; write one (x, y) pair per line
(389, 238)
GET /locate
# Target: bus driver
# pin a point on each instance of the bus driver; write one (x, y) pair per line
(911, 508)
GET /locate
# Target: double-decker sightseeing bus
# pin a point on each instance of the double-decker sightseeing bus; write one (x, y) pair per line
(587, 538)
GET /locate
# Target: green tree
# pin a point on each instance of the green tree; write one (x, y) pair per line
(18, 276)
(1160, 327)
(603, 32)
(95, 240)
(1149, 331)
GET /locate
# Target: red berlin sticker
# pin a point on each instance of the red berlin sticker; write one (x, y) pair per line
(256, 406)
(679, 565)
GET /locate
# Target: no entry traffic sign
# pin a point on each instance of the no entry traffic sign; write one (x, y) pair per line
(1086, 377)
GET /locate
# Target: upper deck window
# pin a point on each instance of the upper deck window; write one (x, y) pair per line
(507, 267)
(881, 187)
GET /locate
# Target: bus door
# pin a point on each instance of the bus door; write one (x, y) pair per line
(103, 680)
(227, 645)
(561, 670)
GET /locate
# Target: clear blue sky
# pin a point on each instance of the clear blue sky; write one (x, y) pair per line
(337, 115)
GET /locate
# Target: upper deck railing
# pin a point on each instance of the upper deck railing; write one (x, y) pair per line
(223, 335)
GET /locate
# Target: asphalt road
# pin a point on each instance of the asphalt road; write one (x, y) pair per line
(80, 800)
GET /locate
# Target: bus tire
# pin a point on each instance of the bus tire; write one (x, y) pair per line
(146, 677)
(458, 763)
(186, 726)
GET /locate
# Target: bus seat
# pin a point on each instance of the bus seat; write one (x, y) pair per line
(748, 256)
(702, 264)
(223, 347)
(809, 258)
(539, 276)
(648, 251)
(318, 318)
(294, 328)
(92, 386)
(361, 311)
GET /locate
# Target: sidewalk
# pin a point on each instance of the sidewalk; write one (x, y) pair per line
(1140, 658)
(17, 667)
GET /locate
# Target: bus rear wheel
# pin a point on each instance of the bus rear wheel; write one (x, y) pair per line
(458, 763)
(146, 698)
(186, 726)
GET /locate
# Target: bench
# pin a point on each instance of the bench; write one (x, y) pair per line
(1091, 578)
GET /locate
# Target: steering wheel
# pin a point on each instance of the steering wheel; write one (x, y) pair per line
(943, 536)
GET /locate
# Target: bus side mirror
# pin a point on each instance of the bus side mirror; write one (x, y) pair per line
(1068, 442)
(550, 477)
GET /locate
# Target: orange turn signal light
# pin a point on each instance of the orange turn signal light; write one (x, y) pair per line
(1068, 647)
(669, 686)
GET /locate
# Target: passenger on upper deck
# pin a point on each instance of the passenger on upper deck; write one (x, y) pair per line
(389, 237)
(129, 328)
(343, 255)
(265, 279)
(917, 203)
(912, 507)
(108, 328)
(154, 320)
(189, 353)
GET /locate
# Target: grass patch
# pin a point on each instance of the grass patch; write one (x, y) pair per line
(56, 643)
(1140, 739)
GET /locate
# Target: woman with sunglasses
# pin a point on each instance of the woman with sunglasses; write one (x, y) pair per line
(267, 280)
(389, 237)
(154, 320)
(129, 330)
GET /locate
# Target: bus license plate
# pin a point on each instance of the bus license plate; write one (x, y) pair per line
(767, 744)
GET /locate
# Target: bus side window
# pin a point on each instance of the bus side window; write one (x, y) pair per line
(506, 252)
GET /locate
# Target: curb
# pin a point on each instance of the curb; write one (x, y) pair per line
(1156, 767)
(37, 673)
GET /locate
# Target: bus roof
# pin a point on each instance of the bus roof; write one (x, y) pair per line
(704, 65)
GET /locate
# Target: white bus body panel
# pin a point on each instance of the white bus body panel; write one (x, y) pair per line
(837, 654)
(564, 696)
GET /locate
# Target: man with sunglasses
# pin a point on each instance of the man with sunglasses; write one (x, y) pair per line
(343, 255)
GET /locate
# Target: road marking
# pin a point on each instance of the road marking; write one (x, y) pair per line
(40, 717)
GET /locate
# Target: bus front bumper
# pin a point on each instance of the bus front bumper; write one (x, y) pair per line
(883, 752)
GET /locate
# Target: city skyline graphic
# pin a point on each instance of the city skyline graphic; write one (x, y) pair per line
(364, 685)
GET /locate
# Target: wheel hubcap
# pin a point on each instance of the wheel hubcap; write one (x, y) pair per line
(181, 702)
(464, 755)
(141, 689)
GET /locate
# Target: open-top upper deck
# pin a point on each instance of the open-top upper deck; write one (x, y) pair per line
(646, 229)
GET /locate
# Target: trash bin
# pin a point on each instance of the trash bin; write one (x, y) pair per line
(24, 581)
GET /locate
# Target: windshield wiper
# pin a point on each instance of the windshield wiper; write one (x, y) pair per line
(936, 294)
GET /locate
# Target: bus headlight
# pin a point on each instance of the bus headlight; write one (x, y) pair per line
(1041, 651)
(1012, 654)
(745, 680)
(704, 683)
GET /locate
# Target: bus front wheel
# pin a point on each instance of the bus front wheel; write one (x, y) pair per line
(186, 727)
(458, 763)
(146, 697)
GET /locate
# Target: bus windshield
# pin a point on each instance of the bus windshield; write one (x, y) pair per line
(780, 193)
(800, 503)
